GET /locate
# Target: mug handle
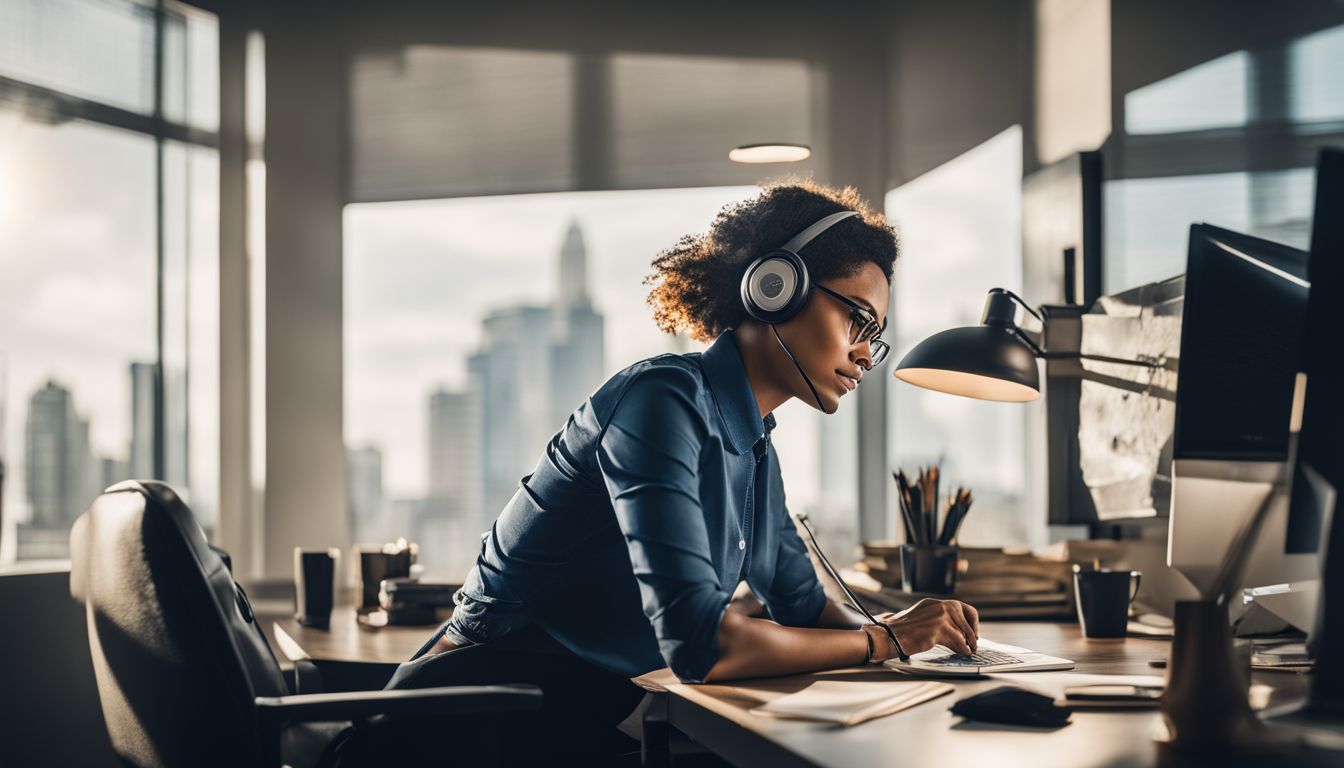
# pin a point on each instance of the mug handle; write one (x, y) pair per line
(1138, 577)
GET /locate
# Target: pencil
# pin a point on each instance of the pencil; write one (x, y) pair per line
(901, 497)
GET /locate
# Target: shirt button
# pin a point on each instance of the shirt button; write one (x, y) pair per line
(741, 543)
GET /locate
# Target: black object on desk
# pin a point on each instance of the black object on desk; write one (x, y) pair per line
(314, 585)
(390, 561)
(1103, 600)
(410, 602)
(1011, 705)
(928, 569)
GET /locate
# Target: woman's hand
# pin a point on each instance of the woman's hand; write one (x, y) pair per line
(931, 622)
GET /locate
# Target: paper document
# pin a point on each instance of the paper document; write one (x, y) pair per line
(850, 703)
(1052, 684)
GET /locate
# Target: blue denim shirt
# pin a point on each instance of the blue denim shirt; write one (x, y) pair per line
(658, 497)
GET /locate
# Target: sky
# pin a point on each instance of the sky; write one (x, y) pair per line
(77, 299)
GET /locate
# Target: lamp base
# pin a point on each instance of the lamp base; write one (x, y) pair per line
(1206, 708)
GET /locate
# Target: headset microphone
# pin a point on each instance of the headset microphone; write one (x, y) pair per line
(794, 360)
(776, 286)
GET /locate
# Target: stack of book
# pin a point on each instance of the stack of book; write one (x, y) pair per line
(1000, 583)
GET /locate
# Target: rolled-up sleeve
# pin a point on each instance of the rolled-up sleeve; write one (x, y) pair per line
(649, 457)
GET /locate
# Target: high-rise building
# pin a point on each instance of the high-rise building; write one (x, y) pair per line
(176, 447)
(143, 386)
(576, 332)
(59, 472)
(111, 472)
(573, 269)
(534, 367)
(364, 493)
(453, 443)
(511, 377)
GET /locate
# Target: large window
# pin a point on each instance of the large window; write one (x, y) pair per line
(108, 302)
(475, 326)
(1230, 141)
(960, 227)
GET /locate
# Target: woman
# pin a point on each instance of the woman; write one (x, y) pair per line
(618, 555)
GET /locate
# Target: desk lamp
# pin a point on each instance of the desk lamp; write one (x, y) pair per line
(995, 360)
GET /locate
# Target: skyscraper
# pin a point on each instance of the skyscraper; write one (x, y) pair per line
(452, 446)
(573, 267)
(534, 367)
(576, 332)
(59, 471)
(143, 385)
(364, 493)
(511, 377)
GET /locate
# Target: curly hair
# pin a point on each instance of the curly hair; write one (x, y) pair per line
(695, 283)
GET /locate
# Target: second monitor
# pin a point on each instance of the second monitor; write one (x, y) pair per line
(1245, 304)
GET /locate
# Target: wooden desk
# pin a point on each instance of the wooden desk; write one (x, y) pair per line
(347, 640)
(717, 716)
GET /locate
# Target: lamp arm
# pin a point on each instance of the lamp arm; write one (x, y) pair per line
(1033, 346)
(1000, 310)
(1102, 359)
(1020, 301)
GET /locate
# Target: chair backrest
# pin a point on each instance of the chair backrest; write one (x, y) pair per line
(176, 651)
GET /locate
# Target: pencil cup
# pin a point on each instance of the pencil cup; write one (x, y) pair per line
(931, 570)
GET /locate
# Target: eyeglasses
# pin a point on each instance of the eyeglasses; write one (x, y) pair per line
(863, 327)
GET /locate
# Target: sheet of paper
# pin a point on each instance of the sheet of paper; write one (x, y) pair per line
(849, 703)
(1052, 684)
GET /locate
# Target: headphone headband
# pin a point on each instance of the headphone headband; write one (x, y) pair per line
(807, 235)
(776, 286)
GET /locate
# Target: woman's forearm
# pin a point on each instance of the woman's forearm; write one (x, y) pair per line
(760, 648)
(837, 616)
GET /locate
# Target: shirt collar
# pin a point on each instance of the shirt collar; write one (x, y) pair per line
(727, 378)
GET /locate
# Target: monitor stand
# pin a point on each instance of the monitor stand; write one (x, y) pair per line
(1325, 706)
(1212, 500)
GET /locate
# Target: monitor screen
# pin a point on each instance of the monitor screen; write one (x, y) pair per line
(1241, 332)
(1321, 444)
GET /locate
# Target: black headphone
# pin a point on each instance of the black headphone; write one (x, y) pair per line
(776, 285)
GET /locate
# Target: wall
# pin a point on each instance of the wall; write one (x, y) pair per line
(957, 74)
(49, 710)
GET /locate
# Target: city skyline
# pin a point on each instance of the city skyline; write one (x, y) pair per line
(62, 471)
(535, 363)
(412, 322)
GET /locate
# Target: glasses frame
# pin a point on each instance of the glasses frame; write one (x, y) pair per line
(879, 348)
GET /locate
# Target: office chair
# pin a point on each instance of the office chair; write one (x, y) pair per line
(185, 675)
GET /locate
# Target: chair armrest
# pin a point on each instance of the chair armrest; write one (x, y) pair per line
(274, 712)
(450, 700)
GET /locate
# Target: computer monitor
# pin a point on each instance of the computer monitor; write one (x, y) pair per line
(1240, 352)
(1321, 443)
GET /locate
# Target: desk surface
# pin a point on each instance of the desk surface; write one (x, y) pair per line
(717, 715)
(347, 640)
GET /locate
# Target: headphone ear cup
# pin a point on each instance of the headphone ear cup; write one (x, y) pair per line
(775, 287)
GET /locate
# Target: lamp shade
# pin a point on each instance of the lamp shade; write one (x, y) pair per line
(985, 362)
